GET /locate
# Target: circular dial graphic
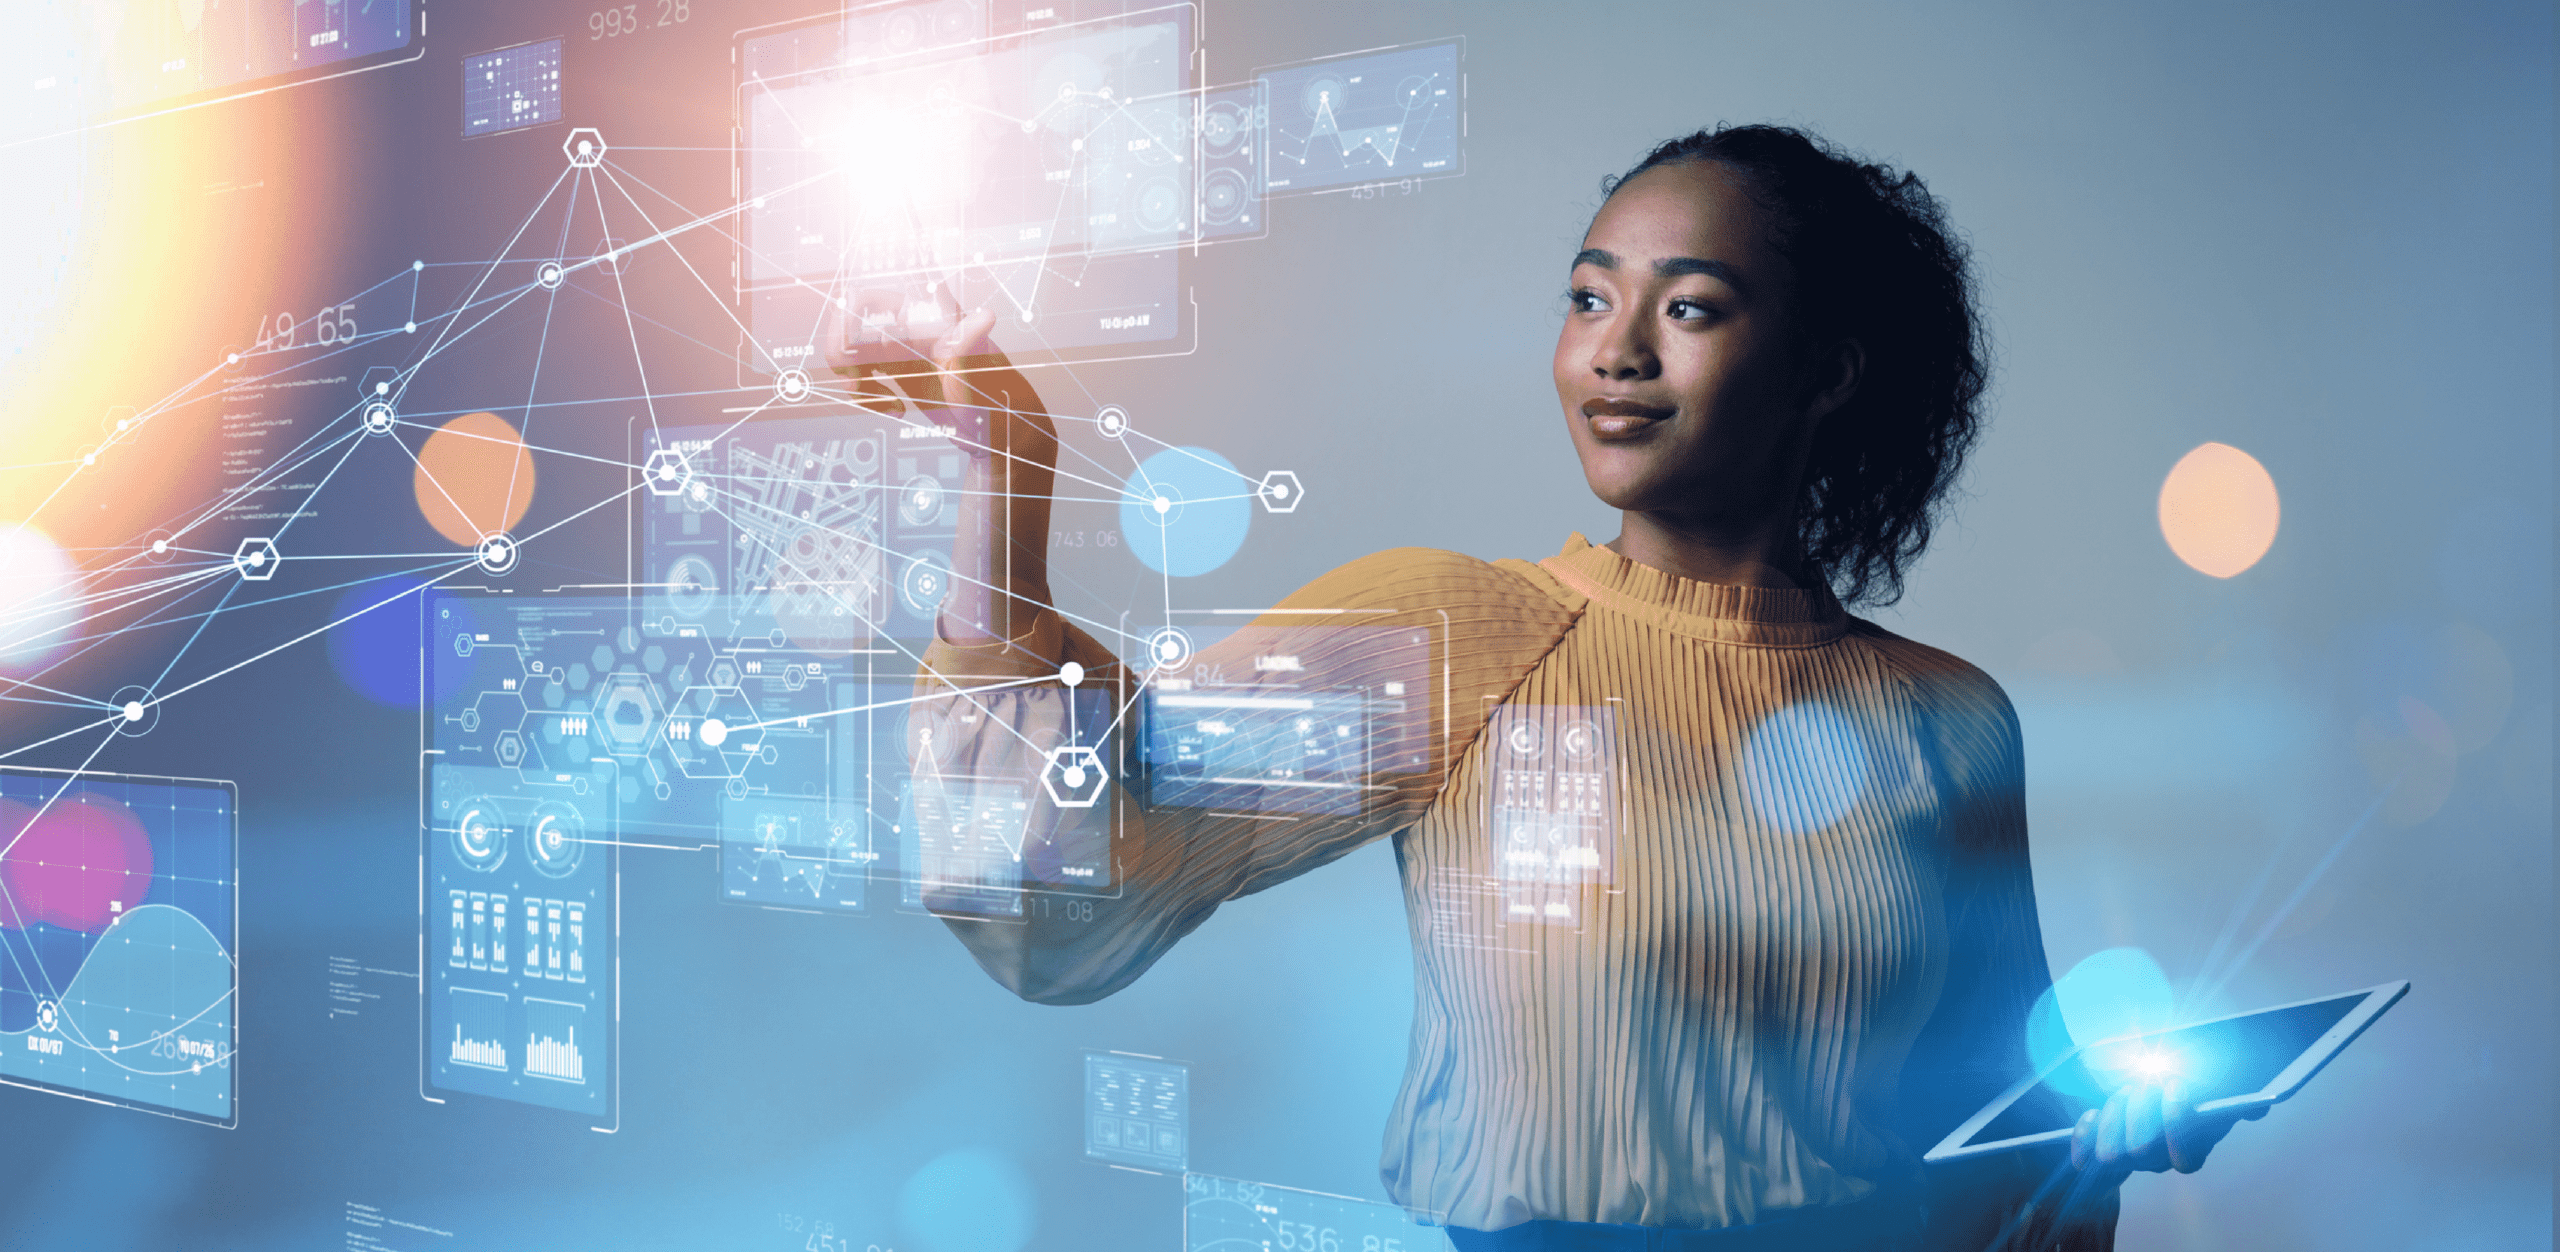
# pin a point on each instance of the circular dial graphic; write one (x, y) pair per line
(692, 586)
(920, 501)
(1222, 196)
(557, 839)
(480, 835)
(1222, 126)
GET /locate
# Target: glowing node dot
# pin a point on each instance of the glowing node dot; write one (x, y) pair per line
(1073, 776)
(90, 458)
(133, 710)
(586, 147)
(1071, 673)
(1280, 491)
(714, 732)
(1168, 649)
(159, 547)
(382, 388)
(415, 266)
(412, 328)
(235, 358)
(1075, 145)
(257, 558)
(1163, 505)
(666, 471)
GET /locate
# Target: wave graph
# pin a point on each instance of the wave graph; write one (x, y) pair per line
(117, 976)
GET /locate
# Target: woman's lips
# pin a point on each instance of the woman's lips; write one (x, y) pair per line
(1616, 418)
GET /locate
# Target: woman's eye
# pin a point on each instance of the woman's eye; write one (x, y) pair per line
(1690, 311)
(1585, 300)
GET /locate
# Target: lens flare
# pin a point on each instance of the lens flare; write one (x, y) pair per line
(39, 599)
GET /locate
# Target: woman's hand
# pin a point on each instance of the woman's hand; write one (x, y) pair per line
(1000, 558)
(2150, 1127)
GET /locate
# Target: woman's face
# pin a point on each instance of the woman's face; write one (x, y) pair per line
(1680, 385)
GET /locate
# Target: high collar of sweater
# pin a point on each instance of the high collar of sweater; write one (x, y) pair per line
(1719, 612)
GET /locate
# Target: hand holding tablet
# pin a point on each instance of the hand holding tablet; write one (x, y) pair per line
(2151, 1127)
(2163, 1100)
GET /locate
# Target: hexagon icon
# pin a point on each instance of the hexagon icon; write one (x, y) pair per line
(666, 472)
(584, 147)
(627, 713)
(1280, 492)
(377, 382)
(257, 559)
(713, 732)
(509, 749)
(1074, 777)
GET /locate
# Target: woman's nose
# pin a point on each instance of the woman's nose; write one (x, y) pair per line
(1621, 356)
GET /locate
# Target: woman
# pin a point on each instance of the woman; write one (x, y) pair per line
(1720, 897)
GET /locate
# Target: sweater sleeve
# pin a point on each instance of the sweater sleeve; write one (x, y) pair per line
(1410, 647)
(1974, 1044)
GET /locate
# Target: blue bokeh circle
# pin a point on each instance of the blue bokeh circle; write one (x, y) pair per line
(1211, 508)
(968, 1200)
(375, 649)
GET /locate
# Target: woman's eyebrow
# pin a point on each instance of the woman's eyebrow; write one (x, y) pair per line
(1675, 266)
(1668, 267)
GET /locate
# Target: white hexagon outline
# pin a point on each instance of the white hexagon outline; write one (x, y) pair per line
(666, 486)
(586, 160)
(1057, 764)
(605, 685)
(1263, 491)
(685, 754)
(262, 571)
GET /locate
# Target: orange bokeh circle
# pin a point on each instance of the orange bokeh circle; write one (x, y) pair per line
(2218, 509)
(475, 478)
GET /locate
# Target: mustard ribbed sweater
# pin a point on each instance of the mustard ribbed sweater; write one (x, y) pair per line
(1719, 898)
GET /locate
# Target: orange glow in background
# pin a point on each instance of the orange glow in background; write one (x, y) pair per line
(2218, 510)
(474, 478)
(151, 250)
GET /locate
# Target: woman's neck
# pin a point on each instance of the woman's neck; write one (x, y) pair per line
(1763, 553)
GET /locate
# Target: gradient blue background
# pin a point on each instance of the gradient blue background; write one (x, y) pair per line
(2321, 233)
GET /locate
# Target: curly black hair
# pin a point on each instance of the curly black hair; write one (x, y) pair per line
(1875, 261)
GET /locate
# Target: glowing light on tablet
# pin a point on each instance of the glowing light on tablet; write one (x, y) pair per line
(2156, 1064)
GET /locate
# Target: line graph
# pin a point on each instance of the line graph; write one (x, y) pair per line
(1397, 114)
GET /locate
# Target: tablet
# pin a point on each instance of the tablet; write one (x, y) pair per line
(2247, 1059)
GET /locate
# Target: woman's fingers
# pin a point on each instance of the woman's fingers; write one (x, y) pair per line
(2179, 1126)
(966, 338)
(2111, 1128)
(2084, 1140)
(2143, 1148)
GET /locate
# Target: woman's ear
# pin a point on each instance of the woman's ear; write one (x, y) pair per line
(1835, 378)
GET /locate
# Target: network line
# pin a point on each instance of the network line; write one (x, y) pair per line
(497, 289)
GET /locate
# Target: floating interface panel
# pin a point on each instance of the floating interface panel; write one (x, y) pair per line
(904, 162)
(1369, 117)
(119, 929)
